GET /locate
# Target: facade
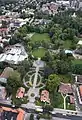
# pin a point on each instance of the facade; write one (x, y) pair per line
(2, 93)
(44, 97)
(20, 92)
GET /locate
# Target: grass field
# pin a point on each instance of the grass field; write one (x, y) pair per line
(40, 52)
(67, 44)
(77, 61)
(40, 37)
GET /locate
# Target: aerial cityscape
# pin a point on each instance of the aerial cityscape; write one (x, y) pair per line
(40, 59)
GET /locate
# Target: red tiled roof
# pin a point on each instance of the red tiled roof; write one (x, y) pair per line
(3, 29)
(65, 88)
(20, 92)
(45, 96)
(80, 88)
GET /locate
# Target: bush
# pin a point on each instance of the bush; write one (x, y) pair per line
(31, 117)
(48, 108)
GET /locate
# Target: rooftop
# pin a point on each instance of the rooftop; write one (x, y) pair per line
(65, 88)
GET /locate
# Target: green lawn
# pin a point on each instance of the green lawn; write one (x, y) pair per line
(56, 100)
(67, 44)
(76, 61)
(40, 52)
(40, 37)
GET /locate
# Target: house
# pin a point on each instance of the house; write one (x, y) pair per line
(19, 111)
(44, 97)
(50, 8)
(65, 88)
(2, 93)
(20, 92)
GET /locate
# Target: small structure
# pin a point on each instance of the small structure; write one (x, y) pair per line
(65, 88)
(68, 52)
(39, 63)
(45, 96)
(2, 93)
(20, 92)
(80, 42)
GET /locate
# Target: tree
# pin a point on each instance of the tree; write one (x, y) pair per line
(38, 117)
(63, 66)
(48, 108)
(31, 117)
(53, 82)
(1, 50)
(13, 82)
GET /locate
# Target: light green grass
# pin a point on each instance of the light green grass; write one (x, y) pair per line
(40, 37)
(40, 52)
(67, 44)
(77, 61)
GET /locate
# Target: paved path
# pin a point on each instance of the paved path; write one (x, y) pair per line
(35, 78)
(75, 98)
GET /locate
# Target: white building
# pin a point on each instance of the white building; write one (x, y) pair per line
(14, 54)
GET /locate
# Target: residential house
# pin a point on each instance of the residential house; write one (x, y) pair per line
(44, 97)
(20, 92)
(2, 93)
(66, 88)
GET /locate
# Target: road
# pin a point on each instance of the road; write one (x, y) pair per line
(67, 117)
(76, 98)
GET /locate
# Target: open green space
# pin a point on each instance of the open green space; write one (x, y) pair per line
(40, 37)
(76, 61)
(56, 100)
(67, 44)
(40, 52)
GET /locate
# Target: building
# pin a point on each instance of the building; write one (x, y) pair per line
(15, 114)
(14, 54)
(20, 92)
(50, 8)
(2, 93)
(44, 97)
(65, 88)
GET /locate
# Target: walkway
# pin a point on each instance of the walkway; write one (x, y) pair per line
(35, 78)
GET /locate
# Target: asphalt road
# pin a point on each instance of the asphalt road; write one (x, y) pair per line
(67, 117)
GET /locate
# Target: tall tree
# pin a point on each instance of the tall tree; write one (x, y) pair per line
(53, 82)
